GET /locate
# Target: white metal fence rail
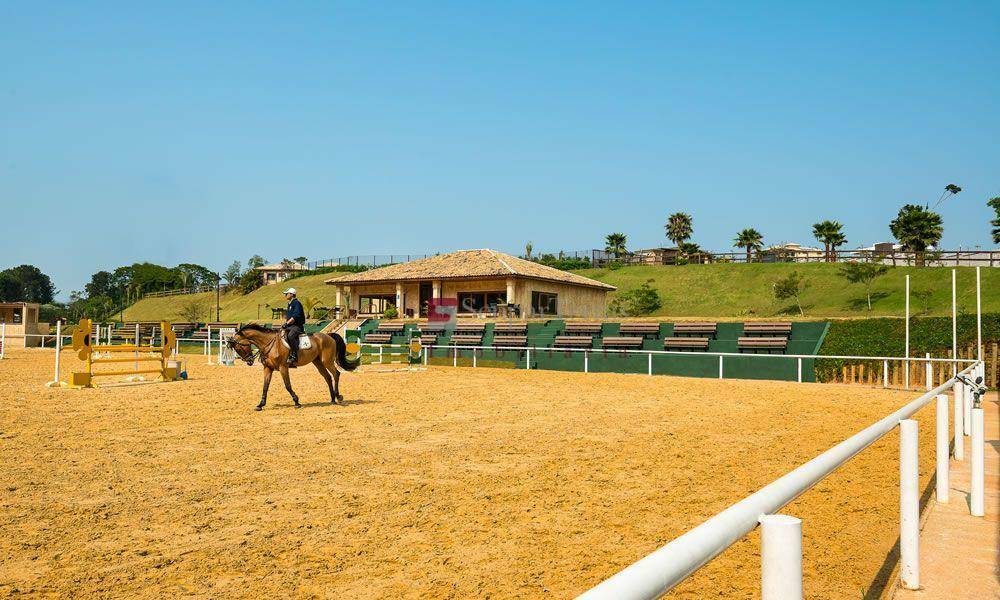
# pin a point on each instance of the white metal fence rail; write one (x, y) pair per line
(659, 572)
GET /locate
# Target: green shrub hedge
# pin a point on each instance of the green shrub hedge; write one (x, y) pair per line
(887, 337)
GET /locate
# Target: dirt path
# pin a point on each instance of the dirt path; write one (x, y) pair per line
(451, 483)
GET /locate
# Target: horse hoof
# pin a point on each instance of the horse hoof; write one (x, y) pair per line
(258, 408)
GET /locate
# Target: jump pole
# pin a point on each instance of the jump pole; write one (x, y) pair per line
(906, 352)
(954, 326)
(3, 339)
(979, 316)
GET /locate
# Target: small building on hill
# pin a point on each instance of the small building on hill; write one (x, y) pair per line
(483, 282)
(20, 320)
(791, 252)
(278, 272)
(655, 256)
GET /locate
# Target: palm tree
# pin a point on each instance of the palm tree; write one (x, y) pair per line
(829, 232)
(679, 228)
(751, 239)
(917, 228)
(615, 244)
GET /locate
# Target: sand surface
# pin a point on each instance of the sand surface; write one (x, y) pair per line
(447, 483)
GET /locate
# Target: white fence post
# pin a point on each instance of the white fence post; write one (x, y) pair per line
(978, 464)
(426, 352)
(909, 506)
(780, 557)
(885, 373)
(3, 338)
(649, 367)
(454, 359)
(720, 366)
(967, 403)
(380, 355)
(527, 360)
(799, 369)
(586, 362)
(55, 376)
(942, 447)
(473, 358)
(959, 399)
(929, 374)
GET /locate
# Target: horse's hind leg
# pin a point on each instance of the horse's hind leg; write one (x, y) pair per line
(330, 362)
(326, 375)
(288, 385)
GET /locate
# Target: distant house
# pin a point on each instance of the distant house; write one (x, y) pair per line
(278, 272)
(792, 253)
(655, 256)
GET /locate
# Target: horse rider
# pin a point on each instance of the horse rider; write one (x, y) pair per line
(295, 320)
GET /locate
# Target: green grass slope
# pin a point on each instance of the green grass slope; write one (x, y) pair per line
(724, 291)
(740, 290)
(235, 307)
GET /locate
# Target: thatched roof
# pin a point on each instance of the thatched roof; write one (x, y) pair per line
(467, 264)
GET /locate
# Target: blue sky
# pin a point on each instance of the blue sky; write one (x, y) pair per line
(204, 132)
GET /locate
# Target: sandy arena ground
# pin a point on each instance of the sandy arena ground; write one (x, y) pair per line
(449, 483)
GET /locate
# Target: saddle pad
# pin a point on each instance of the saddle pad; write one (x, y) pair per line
(305, 342)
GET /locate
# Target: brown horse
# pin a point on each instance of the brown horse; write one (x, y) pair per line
(327, 353)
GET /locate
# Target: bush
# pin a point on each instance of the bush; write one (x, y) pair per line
(390, 313)
(642, 300)
(886, 337)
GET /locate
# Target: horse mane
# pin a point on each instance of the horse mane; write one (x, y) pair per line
(256, 327)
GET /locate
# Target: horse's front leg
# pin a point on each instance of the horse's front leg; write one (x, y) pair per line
(288, 385)
(268, 371)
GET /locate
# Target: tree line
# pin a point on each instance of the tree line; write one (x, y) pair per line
(916, 228)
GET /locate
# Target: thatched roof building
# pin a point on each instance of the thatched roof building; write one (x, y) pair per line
(481, 281)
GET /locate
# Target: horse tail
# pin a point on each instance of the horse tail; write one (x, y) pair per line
(342, 361)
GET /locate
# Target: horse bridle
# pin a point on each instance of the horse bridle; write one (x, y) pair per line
(254, 354)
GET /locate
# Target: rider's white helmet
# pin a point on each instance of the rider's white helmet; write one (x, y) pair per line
(289, 291)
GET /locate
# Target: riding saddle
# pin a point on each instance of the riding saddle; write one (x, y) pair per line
(305, 341)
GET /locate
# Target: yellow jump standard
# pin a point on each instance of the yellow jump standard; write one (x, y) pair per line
(85, 349)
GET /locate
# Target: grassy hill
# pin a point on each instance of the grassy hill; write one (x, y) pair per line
(740, 290)
(235, 307)
(716, 291)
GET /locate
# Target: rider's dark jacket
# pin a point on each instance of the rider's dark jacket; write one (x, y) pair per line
(294, 311)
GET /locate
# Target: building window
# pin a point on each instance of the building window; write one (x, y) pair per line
(477, 302)
(544, 303)
(376, 304)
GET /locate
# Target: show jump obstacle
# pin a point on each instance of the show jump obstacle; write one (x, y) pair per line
(92, 354)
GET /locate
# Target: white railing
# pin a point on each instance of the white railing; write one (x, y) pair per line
(781, 557)
(927, 361)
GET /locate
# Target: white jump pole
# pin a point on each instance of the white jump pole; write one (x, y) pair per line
(976, 503)
(3, 339)
(954, 325)
(979, 316)
(909, 506)
(780, 557)
(959, 399)
(906, 353)
(942, 447)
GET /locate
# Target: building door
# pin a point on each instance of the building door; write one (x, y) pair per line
(426, 292)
